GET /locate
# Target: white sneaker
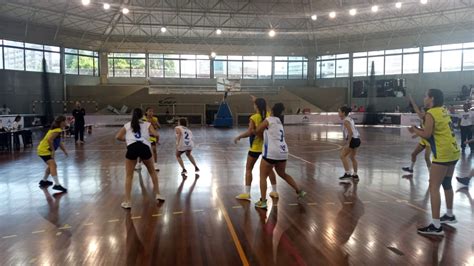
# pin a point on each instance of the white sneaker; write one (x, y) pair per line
(159, 197)
(156, 167)
(138, 167)
(274, 194)
(126, 205)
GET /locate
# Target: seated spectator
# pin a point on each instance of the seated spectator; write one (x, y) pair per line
(16, 123)
(361, 109)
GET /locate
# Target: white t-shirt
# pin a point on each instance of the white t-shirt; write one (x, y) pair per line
(274, 145)
(355, 132)
(466, 118)
(142, 136)
(185, 142)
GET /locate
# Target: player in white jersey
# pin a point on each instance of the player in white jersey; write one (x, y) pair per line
(275, 154)
(137, 136)
(184, 144)
(352, 142)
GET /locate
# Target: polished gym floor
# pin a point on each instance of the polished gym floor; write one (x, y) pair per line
(372, 222)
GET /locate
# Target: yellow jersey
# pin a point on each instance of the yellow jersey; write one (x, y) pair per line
(256, 142)
(443, 141)
(43, 147)
(153, 121)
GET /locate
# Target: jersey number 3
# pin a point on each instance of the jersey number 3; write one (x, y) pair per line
(282, 135)
(138, 135)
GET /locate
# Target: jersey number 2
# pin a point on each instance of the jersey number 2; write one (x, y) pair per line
(186, 135)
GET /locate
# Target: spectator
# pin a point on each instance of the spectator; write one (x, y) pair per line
(5, 110)
(361, 109)
(466, 126)
(397, 109)
(16, 123)
(79, 123)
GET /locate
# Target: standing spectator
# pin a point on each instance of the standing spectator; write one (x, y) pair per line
(466, 127)
(361, 109)
(5, 110)
(79, 123)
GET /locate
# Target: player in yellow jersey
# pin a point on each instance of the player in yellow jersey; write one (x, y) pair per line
(422, 145)
(46, 150)
(437, 129)
(256, 146)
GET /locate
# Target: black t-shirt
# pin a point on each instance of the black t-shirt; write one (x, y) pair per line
(79, 115)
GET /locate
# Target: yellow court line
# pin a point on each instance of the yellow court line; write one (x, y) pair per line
(232, 232)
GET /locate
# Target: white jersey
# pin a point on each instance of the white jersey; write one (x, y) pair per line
(142, 136)
(466, 118)
(274, 145)
(355, 132)
(185, 142)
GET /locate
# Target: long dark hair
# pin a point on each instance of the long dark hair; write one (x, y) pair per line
(262, 107)
(137, 115)
(277, 110)
(345, 110)
(438, 97)
(57, 122)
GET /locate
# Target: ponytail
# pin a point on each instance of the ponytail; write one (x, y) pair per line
(137, 115)
(262, 107)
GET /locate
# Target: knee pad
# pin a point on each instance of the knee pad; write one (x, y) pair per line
(447, 183)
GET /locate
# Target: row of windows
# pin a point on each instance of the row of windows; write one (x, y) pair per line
(440, 58)
(29, 57)
(199, 66)
(81, 62)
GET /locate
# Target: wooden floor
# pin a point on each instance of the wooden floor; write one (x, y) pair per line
(370, 223)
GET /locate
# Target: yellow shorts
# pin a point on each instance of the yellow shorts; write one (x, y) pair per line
(424, 143)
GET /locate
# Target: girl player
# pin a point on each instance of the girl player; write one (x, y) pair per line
(137, 134)
(437, 129)
(256, 146)
(47, 149)
(275, 154)
(150, 118)
(352, 138)
(184, 144)
(422, 145)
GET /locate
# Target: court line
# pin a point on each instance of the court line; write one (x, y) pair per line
(232, 232)
(308, 162)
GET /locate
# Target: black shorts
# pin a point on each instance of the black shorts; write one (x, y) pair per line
(271, 161)
(446, 163)
(46, 158)
(355, 143)
(138, 150)
(254, 154)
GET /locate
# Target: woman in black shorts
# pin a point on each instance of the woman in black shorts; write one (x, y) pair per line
(352, 138)
(137, 136)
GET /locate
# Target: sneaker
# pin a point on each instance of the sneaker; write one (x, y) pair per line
(243, 196)
(60, 188)
(274, 194)
(407, 169)
(45, 183)
(345, 178)
(262, 204)
(464, 180)
(156, 167)
(138, 167)
(159, 197)
(301, 194)
(355, 177)
(126, 205)
(196, 170)
(184, 172)
(446, 219)
(431, 230)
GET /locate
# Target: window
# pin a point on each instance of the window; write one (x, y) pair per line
(220, 69)
(188, 68)
(234, 69)
(171, 68)
(203, 66)
(81, 62)
(121, 67)
(378, 65)
(451, 60)
(14, 58)
(291, 67)
(34, 60)
(411, 63)
(281, 70)
(342, 68)
(155, 65)
(431, 62)
(265, 67)
(359, 67)
(393, 64)
(138, 66)
(468, 60)
(250, 69)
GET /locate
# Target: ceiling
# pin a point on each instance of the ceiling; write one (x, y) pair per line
(193, 23)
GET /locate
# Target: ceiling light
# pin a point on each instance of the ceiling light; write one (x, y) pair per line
(86, 2)
(125, 10)
(106, 6)
(332, 14)
(353, 12)
(213, 54)
(424, 2)
(314, 17)
(218, 31)
(398, 5)
(271, 33)
(163, 29)
(375, 8)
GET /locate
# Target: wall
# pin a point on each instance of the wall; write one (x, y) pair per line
(417, 84)
(19, 88)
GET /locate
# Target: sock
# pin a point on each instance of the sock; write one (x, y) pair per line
(437, 223)
(355, 173)
(412, 165)
(274, 188)
(56, 180)
(247, 189)
(348, 172)
(45, 177)
(449, 212)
